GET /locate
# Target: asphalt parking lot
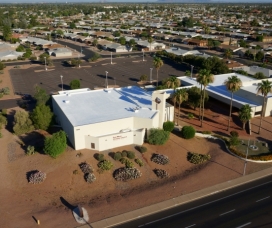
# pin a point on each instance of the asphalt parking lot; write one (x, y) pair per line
(123, 72)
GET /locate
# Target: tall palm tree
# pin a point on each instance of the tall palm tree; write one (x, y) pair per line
(172, 82)
(204, 78)
(245, 114)
(158, 63)
(264, 88)
(149, 40)
(233, 84)
(181, 95)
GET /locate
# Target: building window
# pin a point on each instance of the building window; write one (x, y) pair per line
(92, 145)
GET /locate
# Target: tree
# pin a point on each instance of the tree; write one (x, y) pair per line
(158, 63)
(242, 72)
(264, 88)
(116, 34)
(75, 84)
(41, 117)
(7, 33)
(132, 42)
(143, 77)
(56, 144)
(60, 33)
(228, 53)
(150, 40)
(72, 25)
(122, 40)
(204, 78)
(44, 57)
(254, 22)
(245, 114)
(194, 97)
(187, 73)
(40, 95)
(259, 75)
(187, 22)
(20, 48)
(172, 82)
(181, 96)
(158, 136)
(259, 38)
(259, 56)
(233, 84)
(95, 42)
(75, 62)
(22, 123)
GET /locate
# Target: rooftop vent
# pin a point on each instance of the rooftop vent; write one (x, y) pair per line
(66, 101)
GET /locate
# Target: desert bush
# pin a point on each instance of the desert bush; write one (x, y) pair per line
(160, 159)
(99, 157)
(139, 162)
(168, 126)
(75, 172)
(197, 158)
(3, 121)
(161, 173)
(123, 160)
(234, 141)
(129, 164)
(56, 144)
(130, 154)
(190, 116)
(36, 177)
(124, 153)
(1, 95)
(117, 156)
(234, 134)
(30, 150)
(188, 132)
(4, 111)
(141, 149)
(85, 167)
(105, 165)
(158, 136)
(22, 123)
(89, 177)
(5, 90)
(126, 174)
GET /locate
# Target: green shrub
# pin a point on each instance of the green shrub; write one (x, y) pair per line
(139, 162)
(168, 126)
(105, 165)
(206, 132)
(99, 157)
(234, 134)
(30, 150)
(141, 149)
(1, 95)
(117, 156)
(5, 91)
(56, 144)
(123, 160)
(197, 158)
(75, 84)
(124, 154)
(129, 164)
(158, 136)
(234, 141)
(130, 154)
(191, 115)
(188, 132)
(75, 172)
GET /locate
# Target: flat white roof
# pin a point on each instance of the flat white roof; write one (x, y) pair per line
(85, 106)
(218, 87)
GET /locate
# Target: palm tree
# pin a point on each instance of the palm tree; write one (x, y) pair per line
(158, 63)
(228, 53)
(172, 82)
(204, 78)
(181, 95)
(264, 88)
(245, 114)
(149, 40)
(233, 84)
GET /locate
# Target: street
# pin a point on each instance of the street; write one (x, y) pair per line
(248, 205)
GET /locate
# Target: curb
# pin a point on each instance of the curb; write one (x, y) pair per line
(158, 207)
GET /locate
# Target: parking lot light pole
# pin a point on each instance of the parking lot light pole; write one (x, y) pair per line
(111, 58)
(192, 67)
(143, 55)
(151, 74)
(61, 82)
(106, 79)
(45, 63)
(78, 60)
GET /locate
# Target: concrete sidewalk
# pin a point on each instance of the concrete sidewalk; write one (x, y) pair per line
(152, 209)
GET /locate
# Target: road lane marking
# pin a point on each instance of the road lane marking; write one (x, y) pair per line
(243, 225)
(227, 212)
(262, 199)
(190, 226)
